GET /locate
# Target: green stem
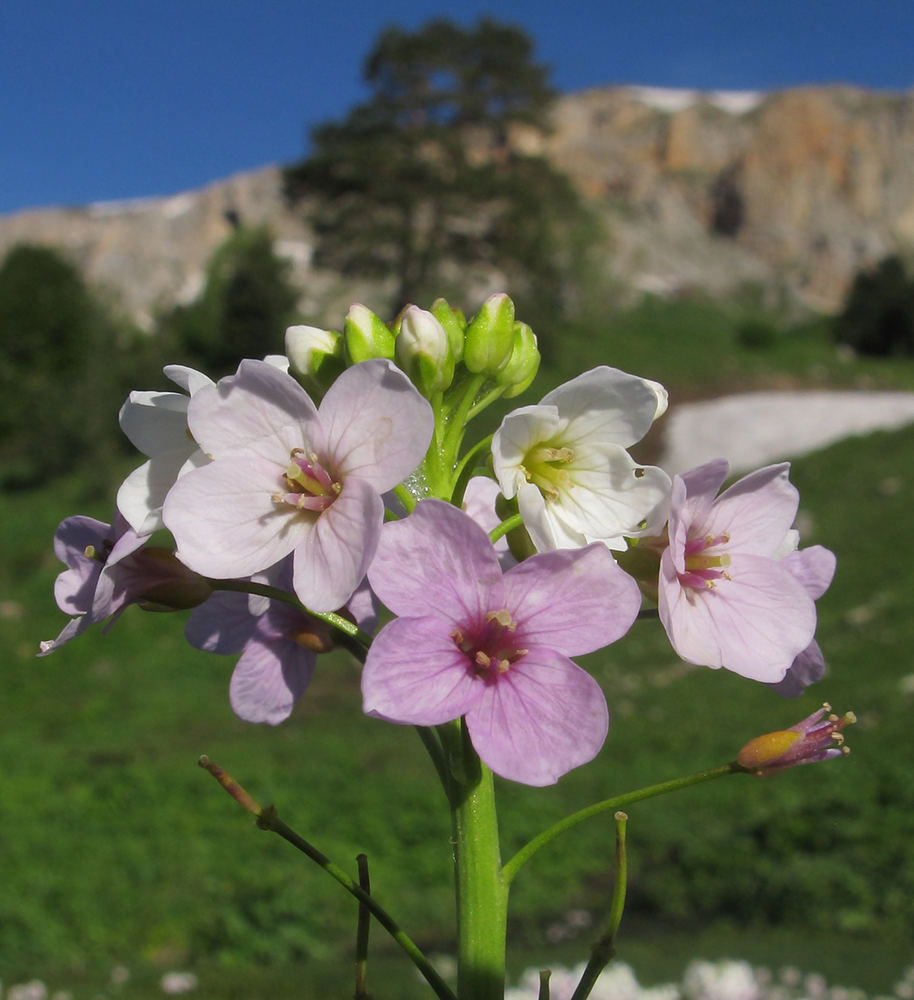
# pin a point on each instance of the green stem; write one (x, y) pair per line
(482, 894)
(509, 524)
(430, 741)
(457, 419)
(364, 926)
(603, 950)
(405, 497)
(463, 471)
(526, 853)
(488, 398)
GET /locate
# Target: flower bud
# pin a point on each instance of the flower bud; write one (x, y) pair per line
(315, 355)
(423, 351)
(805, 743)
(166, 584)
(490, 337)
(454, 324)
(365, 336)
(523, 364)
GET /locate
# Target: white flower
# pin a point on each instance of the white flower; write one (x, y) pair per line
(156, 423)
(565, 461)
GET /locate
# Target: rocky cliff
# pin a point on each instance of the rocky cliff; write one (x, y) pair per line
(793, 191)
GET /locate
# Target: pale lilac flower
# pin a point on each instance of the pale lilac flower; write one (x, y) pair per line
(156, 424)
(108, 570)
(287, 478)
(724, 598)
(277, 643)
(565, 461)
(473, 641)
(814, 568)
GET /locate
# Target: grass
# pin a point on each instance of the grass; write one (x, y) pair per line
(115, 847)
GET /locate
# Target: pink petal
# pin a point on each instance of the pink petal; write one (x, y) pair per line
(572, 601)
(415, 674)
(261, 412)
(757, 512)
(813, 567)
(377, 425)
(270, 677)
(222, 625)
(539, 720)
(225, 521)
(437, 562)
(754, 624)
(337, 551)
(73, 628)
(806, 669)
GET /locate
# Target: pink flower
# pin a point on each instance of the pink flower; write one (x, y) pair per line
(108, 570)
(473, 641)
(289, 479)
(277, 642)
(724, 598)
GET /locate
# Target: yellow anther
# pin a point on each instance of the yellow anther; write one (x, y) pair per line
(482, 660)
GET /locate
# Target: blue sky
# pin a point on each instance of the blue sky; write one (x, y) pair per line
(104, 100)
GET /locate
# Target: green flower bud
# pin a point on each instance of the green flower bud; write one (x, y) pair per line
(315, 355)
(451, 319)
(423, 351)
(523, 364)
(490, 337)
(365, 336)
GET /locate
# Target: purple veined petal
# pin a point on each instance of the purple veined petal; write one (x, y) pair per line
(189, 379)
(520, 431)
(377, 425)
(225, 521)
(155, 421)
(605, 403)
(539, 720)
(270, 677)
(806, 669)
(814, 567)
(572, 601)
(337, 550)
(756, 512)
(698, 491)
(75, 534)
(363, 606)
(224, 624)
(415, 674)
(260, 412)
(437, 562)
(754, 624)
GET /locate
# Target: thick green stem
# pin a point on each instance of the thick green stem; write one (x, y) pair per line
(482, 893)
(509, 524)
(526, 853)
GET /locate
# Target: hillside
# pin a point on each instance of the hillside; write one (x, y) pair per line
(792, 190)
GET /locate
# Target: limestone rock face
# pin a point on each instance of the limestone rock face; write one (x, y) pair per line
(793, 191)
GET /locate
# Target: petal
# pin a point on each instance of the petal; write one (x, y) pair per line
(259, 412)
(479, 503)
(519, 432)
(363, 606)
(75, 534)
(377, 425)
(437, 562)
(337, 550)
(156, 421)
(190, 380)
(143, 492)
(754, 624)
(605, 404)
(806, 669)
(539, 720)
(270, 677)
(757, 512)
(572, 601)
(692, 495)
(222, 625)
(225, 521)
(73, 628)
(813, 567)
(415, 674)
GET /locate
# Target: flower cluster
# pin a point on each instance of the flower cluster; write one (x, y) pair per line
(303, 489)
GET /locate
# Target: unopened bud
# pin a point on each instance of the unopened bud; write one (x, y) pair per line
(366, 336)
(523, 364)
(423, 351)
(315, 355)
(168, 584)
(454, 325)
(490, 337)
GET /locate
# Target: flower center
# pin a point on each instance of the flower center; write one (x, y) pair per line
(308, 485)
(702, 567)
(544, 467)
(491, 651)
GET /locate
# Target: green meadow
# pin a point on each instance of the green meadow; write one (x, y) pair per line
(115, 848)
